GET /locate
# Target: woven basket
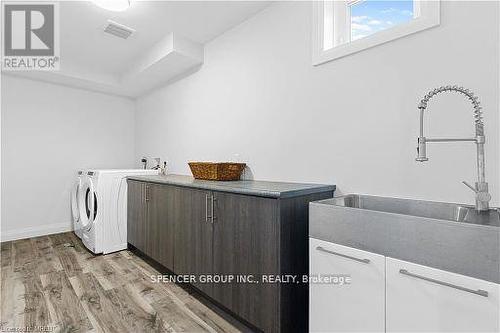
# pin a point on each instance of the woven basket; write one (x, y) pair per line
(216, 171)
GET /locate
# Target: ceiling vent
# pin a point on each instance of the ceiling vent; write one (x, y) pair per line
(118, 30)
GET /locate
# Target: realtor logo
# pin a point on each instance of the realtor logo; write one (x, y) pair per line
(30, 36)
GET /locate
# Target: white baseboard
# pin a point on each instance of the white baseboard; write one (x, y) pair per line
(47, 229)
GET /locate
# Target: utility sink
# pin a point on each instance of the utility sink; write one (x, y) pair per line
(447, 236)
(419, 208)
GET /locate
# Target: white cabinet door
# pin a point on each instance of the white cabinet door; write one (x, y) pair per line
(356, 306)
(424, 299)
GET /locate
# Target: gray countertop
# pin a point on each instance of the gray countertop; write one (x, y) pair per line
(249, 187)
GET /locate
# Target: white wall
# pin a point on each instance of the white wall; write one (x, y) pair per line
(48, 133)
(352, 122)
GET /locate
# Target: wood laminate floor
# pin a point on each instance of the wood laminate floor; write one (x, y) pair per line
(53, 283)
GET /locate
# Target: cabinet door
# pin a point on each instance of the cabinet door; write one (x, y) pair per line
(357, 304)
(246, 242)
(160, 224)
(424, 299)
(136, 215)
(193, 235)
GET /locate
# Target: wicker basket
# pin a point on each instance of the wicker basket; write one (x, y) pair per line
(216, 171)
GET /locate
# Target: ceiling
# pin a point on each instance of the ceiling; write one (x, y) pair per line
(84, 48)
(84, 44)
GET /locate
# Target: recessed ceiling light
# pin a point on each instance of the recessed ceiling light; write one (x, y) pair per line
(113, 5)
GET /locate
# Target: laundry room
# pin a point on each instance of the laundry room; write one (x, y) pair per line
(250, 166)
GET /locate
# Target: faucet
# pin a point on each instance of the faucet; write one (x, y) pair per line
(481, 187)
(157, 166)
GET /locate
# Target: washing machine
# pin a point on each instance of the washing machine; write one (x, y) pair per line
(75, 202)
(103, 209)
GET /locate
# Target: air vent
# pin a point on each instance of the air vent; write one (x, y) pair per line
(118, 30)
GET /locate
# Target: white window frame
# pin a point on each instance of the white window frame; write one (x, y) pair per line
(335, 15)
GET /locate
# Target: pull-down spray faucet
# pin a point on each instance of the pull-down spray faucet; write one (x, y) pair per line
(481, 188)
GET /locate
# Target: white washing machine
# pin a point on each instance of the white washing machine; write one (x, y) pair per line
(75, 208)
(103, 209)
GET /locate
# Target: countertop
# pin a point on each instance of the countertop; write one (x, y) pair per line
(249, 187)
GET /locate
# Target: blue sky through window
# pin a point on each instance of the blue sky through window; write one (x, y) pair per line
(370, 16)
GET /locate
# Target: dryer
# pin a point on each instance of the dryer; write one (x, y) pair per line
(103, 209)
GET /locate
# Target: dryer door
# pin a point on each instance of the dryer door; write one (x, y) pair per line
(88, 205)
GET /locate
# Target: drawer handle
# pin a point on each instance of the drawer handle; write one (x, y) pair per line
(479, 292)
(322, 249)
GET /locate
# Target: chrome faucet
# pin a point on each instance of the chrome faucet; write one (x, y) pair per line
(481, 188)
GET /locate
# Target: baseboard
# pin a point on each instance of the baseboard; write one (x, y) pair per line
(29, 232)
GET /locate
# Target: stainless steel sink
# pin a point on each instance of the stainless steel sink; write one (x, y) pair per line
(447, 236)
(420, 208)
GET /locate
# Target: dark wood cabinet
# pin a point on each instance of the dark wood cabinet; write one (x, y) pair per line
(246, 246)
(136, 214)
(193, 236)
(160, 223)
(150, 221)
(208, 233)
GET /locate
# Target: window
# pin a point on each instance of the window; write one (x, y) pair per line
(342, 27)
(368, 17)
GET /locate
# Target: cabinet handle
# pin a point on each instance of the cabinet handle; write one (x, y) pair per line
(479, 292)
(146, 195)
(207, 217)
(322, 249)
(213, 210)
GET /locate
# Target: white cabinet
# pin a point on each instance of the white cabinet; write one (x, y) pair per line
(358, 305)
(424, 299)
(385, 294)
